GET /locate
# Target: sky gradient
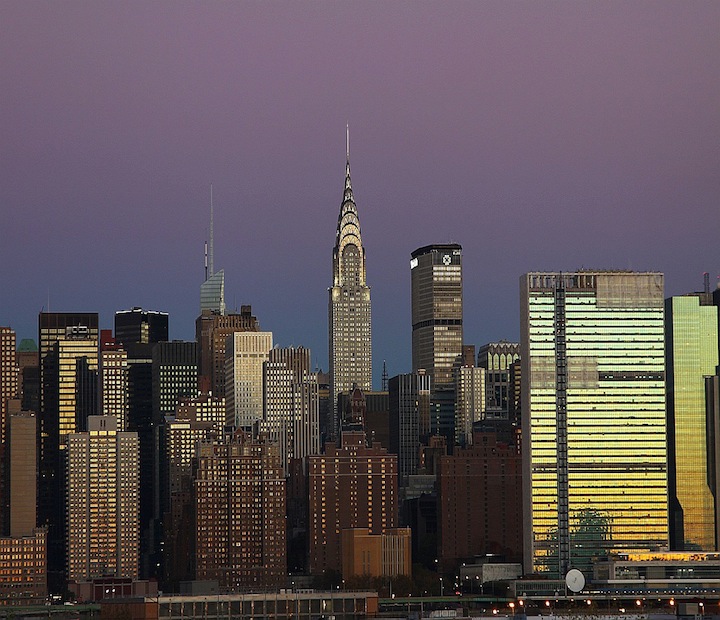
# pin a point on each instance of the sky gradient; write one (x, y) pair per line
(539, 135)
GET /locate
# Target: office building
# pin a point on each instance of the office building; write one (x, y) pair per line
(240, 514)
(497, 358)
(103, 501)
(691, 351)
(480, 503)
(351, 486)
(174, 376)
(409, 398)
(245, 354)
(349, 316)
(437, 310)
(290, 396)
(141, 326)
(67, 357)
(113, 379)
(594, 431)
(211, 333)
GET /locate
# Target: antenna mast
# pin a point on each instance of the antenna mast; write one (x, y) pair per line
(211, 249)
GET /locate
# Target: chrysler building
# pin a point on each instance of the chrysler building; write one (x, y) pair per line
(350, 341)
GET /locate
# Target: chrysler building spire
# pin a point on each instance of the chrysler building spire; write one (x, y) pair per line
(350, 345)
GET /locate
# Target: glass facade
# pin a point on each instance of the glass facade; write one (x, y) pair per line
(692, 354)
(593, 417)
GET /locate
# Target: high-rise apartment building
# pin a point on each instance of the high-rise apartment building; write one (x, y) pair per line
(103, 495)
(141, 326)
(469, 402)
(240, 514)
(409, 398)
(691, 350)
(480, 502)
(437, 310)
(211, 332)
(245, 354)
(594, 432)
(351, 486)
(349, 320)
(290, 396)
(195, 420)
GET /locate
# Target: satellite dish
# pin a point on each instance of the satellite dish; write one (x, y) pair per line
(575, 580)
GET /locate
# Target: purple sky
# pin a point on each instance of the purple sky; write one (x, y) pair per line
(539, 135)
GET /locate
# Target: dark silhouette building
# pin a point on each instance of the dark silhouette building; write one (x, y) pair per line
(480, 502)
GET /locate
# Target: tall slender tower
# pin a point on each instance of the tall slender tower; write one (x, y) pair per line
(212, 291)
(350, 337)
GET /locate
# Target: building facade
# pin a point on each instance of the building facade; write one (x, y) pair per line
(141, 326)
(103, 502)
(594, 431)
(691, 350)
(291, 405)
(211, 332)
(497, 358)
(437, 310)
(480, 502)
(469, 402)
(240, 514)
(409, 399)
(349, 316)
(350, 486)
(245, 355)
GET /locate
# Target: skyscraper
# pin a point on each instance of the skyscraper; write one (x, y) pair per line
(351, 486)
(211, 332)
(143, 326)
(437, 310)
(244, 357)
(8, 375)
(113, 379)
(349, 320)
(691, 350)
(594, 442)
(212, 291)
(103, 502)
(290, 397)
(496, 358)
(68, 357)
(240, 512)
(409, 397)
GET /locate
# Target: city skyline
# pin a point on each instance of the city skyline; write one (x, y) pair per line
(551, 137)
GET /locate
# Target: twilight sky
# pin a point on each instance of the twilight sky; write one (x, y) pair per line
(539, 135)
